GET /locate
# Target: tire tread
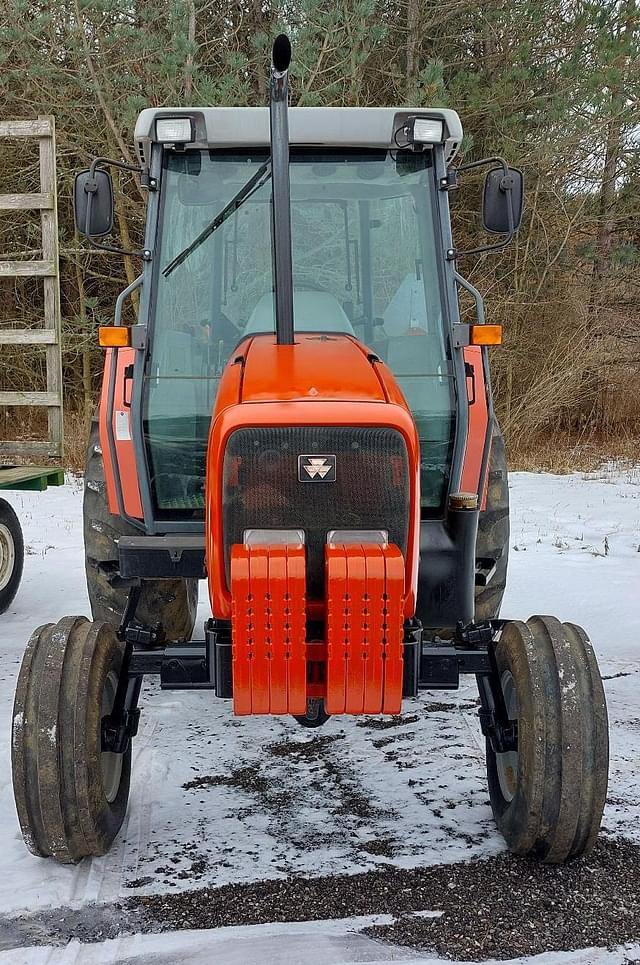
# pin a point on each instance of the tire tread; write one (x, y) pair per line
(563, 741)
(56, 769)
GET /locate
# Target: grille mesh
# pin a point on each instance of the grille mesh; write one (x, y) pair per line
(261, 488)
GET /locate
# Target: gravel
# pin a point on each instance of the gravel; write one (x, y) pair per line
(501, 908)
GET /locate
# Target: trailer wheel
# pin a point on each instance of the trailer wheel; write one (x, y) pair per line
(493, 532)
(548, 795)
(71, 797)
(172, 602)
(11, 555)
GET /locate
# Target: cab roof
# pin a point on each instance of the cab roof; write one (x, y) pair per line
(362, 127)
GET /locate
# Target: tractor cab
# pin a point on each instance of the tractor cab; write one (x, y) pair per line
(366, 242)
(280, 225)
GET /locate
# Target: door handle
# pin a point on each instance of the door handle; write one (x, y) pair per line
(126, 384)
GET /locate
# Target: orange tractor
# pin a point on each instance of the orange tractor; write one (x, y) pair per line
(300, 417)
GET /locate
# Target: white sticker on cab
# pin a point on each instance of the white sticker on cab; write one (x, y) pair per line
(123, 433)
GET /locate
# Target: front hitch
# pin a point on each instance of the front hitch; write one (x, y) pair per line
(315, 716)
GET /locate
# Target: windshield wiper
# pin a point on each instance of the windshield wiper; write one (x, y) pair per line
(254, 183)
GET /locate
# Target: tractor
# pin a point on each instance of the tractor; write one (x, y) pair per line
(300, 415)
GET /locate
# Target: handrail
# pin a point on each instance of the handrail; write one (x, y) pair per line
(135, 284)
(475, 294)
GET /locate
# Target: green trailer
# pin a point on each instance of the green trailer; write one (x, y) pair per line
(31, 464)
(36, 479)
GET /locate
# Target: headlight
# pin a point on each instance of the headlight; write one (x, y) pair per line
(427, 131)
(174, 130)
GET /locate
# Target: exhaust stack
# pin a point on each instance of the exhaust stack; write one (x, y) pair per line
(281, 205)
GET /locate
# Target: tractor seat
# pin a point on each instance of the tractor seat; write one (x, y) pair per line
(314, 311)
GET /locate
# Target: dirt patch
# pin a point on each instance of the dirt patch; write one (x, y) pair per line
(344, 797)
(510, 907)
(500, 908)
(138, 882)
(307, 771)
(245, 778)
(385, 741)
(58, 926)
(382, 847)
(399, 720)
(304, 750)
(384, 723)
(437, 707)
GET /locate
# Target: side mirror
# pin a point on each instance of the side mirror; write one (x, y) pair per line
(502, 201)
(93, 203)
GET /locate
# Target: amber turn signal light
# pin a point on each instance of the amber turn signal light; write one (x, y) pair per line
(486, 335)
(114, 336)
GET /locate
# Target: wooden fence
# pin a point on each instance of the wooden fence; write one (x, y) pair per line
(49, 335)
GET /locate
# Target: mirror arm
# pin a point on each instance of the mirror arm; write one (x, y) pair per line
(144, 253)
(100, 161)
(483, 162)
(90, 189)
(453, 254)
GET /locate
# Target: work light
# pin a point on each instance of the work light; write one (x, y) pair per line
(425, 130)
(174, 130)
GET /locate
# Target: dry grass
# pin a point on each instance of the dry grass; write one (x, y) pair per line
(76, 433)
(572, 451)
(22, 425)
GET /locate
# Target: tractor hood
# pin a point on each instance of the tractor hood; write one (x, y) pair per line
(318, 367)
(325, 396)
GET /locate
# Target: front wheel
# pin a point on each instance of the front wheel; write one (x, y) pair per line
(11, 555)
(548, 794)
(71, 795)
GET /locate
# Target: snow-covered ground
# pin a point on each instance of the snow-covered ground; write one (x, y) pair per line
(308, 943)
(217, 800)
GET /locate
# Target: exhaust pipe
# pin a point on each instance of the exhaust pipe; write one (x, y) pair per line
(281, 206)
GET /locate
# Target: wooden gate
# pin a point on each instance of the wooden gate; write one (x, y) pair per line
(47, 268)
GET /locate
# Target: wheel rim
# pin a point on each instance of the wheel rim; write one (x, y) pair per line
(7, 555)
(507, 763)
(110, 763)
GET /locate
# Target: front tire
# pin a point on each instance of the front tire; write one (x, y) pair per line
(71, 796)
(548, 795)
(11, 555)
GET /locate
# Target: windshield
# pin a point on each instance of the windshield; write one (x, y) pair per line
(364, 264)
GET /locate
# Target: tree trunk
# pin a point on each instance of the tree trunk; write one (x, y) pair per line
(413, 27)
(191, 38)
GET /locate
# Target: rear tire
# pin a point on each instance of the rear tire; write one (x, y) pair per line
(71, 797)
(11, 555)
(493, 532)
(548, 796)
(172, 602)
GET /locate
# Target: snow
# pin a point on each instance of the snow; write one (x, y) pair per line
(293, 943)
(575, 554)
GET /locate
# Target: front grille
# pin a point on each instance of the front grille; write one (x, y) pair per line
(262, 488)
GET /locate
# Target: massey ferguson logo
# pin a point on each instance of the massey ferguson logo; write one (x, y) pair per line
(317, 468)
